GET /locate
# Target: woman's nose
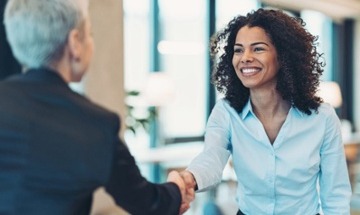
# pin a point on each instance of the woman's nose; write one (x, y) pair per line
(247, 57)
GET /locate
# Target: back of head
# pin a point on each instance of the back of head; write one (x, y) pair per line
(37, 30)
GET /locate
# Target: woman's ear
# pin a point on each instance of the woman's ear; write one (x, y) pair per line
(74, 44)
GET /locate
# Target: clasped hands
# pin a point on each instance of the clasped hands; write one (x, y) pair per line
(186, 183)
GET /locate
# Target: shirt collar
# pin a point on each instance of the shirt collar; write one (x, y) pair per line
(295, 110)
(248, 109)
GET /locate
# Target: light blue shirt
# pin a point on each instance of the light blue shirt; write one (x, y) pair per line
(305, 165)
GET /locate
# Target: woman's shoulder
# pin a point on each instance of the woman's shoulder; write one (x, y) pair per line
(223, 103)
(325, 111)
(326, 108)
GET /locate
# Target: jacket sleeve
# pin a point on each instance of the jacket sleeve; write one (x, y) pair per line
(134, 193)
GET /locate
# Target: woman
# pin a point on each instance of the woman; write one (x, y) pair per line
(57, 147)
(283, 140)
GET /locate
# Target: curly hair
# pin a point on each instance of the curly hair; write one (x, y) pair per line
(300, 63)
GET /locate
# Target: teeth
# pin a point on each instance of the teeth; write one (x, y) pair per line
(249, 70)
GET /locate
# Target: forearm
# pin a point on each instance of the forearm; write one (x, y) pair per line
(135, 194)
(335, 188)
(207, 168)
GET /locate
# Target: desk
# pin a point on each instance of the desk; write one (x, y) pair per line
(176, 156)
(179, 152)
(173, 156)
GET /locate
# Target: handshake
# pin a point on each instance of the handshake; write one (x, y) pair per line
(186, 182)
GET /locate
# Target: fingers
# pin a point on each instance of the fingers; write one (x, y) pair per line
(190, 194)
(186, 183)
(184, 207)
(175, 177)
(190, 184)
(189, 179)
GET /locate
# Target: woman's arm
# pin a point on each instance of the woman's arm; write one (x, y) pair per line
(208, 166)
(335, 188)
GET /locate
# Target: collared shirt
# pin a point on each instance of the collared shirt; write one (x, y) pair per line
(303, 172)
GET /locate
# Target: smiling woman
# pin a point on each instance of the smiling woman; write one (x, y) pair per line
(278, 131)
(295, 43)
(255, 59)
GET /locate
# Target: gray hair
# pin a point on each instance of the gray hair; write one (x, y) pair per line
(37, 30)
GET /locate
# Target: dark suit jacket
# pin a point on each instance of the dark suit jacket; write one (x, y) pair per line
(57, 147)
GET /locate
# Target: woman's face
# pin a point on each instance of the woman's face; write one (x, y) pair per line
(255, 58)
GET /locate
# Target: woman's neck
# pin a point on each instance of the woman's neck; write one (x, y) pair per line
(269, 103)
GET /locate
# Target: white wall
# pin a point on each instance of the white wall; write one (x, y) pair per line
(356, 82)
(104, 81)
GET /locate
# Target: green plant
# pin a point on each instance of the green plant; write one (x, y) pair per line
(138, 116)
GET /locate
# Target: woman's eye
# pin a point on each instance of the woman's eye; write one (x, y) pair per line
(238, 50)
(258, 49)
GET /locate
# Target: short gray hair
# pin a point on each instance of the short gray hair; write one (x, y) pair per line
(37, 30)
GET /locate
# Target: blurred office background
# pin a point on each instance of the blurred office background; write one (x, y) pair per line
(152, 66)
(172, 38)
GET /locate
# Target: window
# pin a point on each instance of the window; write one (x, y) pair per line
(173, 37)
(137, 43)
(228, 9)
(183, 55)
(320, 25)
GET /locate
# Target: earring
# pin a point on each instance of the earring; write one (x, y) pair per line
(77, 59)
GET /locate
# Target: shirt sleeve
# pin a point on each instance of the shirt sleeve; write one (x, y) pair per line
(335, 188)
(208, 166)
(133, 192)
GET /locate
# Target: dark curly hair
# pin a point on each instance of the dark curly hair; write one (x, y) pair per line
(300, 63)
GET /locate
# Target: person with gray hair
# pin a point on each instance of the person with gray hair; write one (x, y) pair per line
(56, 146)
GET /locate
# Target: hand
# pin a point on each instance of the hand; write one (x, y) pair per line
(190, 185)
(187, 194)
(189, 179)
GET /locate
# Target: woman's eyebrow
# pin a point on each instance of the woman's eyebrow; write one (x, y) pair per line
(252, 44)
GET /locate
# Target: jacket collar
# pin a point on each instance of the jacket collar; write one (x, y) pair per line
(44, 75)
